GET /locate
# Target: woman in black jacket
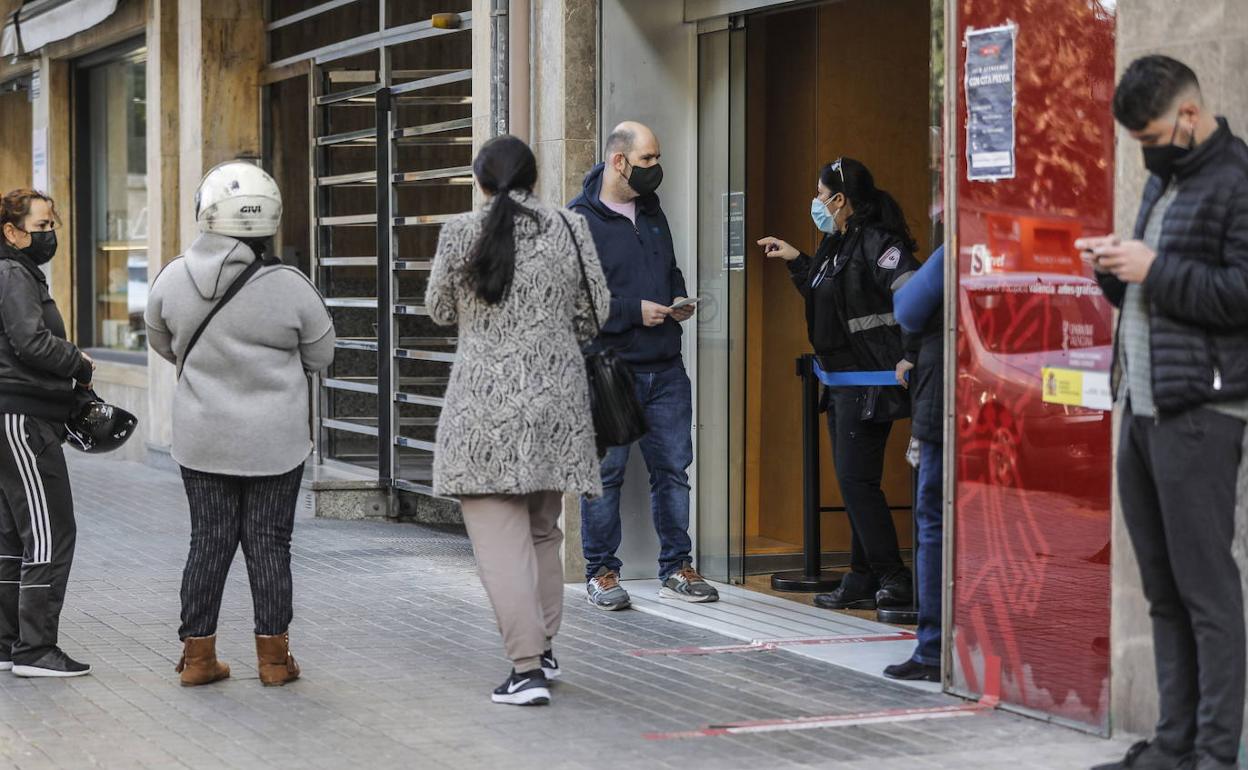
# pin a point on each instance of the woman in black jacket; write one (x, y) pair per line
(866, 254)
(38, 370)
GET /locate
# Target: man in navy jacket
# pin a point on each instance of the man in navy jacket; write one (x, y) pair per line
(635, 248)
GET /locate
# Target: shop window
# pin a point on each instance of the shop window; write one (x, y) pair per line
(111, 186)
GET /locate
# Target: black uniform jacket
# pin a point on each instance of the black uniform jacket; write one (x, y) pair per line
(848, 287)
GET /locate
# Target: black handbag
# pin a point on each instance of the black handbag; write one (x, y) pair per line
(618, 417)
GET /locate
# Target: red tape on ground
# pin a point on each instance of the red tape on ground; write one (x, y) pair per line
(831, 720)
(764, 645)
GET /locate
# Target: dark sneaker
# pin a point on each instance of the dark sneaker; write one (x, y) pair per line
(1149, 756)
(1206, 762)
(688, 586)
(896, 590)
(913, 671)
(550, 666)
(54, 664)
(856, 592)
(528, 689)
(605, 591)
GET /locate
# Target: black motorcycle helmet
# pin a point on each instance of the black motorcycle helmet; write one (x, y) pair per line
(97, 427)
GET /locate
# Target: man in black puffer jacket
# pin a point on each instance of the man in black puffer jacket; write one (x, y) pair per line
(1182, 370)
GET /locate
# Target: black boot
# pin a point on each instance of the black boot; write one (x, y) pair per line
(896, 590)
(856, 592)
(913, 671)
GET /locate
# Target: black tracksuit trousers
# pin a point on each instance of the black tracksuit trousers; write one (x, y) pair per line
(226, 511)
(1176, 477)
(37, 536)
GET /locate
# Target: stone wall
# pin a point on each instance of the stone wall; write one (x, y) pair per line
(1210, 36)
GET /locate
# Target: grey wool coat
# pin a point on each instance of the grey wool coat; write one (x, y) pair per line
(517, 418)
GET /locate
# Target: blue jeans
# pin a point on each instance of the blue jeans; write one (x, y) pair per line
(929, 562)
(667, 398)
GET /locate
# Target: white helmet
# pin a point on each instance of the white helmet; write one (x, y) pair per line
(237, 198)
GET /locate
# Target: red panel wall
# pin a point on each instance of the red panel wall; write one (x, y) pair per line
(1030, 608)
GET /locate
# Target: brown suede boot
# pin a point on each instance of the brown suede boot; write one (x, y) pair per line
(199, 664)
(277, 665)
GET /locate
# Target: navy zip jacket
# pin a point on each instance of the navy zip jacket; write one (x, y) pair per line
(640, 264)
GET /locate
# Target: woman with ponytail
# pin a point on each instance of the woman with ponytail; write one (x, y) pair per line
(518, 278)
(866, 254)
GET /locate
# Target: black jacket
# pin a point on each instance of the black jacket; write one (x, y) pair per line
(1198, 285)
(849, 313)
(640, 264)
(920, 305)
(37, 365)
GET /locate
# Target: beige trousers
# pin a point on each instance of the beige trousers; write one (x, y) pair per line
(516, 540)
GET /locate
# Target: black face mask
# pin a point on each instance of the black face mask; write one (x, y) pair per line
(42, 247)
(1161, 160)
(645, 180)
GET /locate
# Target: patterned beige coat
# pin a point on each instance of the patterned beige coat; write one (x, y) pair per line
(516, 418)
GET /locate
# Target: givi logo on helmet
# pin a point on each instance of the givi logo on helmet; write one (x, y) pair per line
(249, 210)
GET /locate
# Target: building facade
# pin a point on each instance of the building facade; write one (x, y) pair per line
(367, 112)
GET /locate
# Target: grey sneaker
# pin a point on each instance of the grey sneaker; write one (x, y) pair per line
(688, 586)
(605, 591)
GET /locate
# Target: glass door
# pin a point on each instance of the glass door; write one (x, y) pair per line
(720, 421)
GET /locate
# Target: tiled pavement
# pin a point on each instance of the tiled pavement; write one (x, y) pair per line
(399, 653)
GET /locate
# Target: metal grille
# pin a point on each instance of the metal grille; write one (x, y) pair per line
(390, 156)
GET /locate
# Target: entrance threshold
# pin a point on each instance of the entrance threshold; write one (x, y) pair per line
(769, 622)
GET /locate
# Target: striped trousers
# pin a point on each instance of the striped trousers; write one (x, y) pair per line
(37, 536)
(257, 513)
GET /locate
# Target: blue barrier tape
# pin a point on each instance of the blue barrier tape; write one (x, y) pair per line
(855, 379)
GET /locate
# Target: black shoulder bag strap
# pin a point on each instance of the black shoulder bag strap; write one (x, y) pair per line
(580, 260)
(233, 289)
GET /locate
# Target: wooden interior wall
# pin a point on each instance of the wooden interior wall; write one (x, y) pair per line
(288, 116)
(15, 133)
(846, 79)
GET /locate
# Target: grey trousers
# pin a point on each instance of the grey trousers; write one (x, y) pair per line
(1177, 477)
(516, 540)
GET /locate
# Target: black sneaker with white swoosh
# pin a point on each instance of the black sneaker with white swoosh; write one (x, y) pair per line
(550, 666)
(528, 689)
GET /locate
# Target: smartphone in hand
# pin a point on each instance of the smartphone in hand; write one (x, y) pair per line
(686, 302)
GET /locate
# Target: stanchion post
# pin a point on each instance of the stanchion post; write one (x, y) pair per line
(811, 578)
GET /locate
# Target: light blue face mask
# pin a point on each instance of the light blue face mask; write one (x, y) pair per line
(826, 222)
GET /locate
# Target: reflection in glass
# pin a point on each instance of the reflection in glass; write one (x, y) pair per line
(116, 139)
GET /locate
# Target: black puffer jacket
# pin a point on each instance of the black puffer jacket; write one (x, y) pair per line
(848, 287)
(37, 365)
(1198, 285)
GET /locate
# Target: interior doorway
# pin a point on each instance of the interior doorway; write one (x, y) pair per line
(804, 87)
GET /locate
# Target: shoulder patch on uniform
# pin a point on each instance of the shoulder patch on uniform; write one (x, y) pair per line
(890, 259)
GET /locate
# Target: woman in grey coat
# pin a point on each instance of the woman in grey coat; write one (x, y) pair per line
(516, 431)
(240, 412)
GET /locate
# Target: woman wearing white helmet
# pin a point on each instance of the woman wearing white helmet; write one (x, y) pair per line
(243, 330)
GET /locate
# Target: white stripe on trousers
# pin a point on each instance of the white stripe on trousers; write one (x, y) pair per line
(36, 498)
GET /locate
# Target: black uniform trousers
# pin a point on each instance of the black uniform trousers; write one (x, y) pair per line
(227, 511)
(1176, 478)
(858, 455)
(37, 536)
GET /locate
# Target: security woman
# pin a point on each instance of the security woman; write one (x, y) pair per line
(867, 253)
